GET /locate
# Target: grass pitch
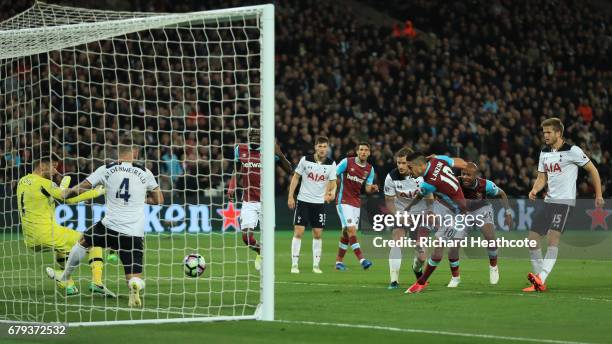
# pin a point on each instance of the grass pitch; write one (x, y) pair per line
(335, 306)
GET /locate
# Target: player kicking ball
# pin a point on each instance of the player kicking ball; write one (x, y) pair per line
(353, 172)
(127, 183)
(557, 169)
(318, 175)
(476, 191)
(36, 196)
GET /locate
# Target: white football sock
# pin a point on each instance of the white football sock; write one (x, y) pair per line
(317, 245)
(395, 262)
(549, 262)
(77, 253)
(296, 244)
(536, 260)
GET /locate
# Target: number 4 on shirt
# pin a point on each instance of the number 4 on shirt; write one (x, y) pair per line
(124, 190)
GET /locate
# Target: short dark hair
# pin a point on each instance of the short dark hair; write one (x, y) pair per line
(416, 156)
(555, 123)
(321, 139)
(404, 152)
(363, 143)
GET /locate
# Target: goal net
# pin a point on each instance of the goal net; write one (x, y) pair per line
(185, 88)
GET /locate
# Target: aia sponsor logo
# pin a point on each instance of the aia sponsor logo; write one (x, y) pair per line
(552, 167)
(316, 177)
(409, 194)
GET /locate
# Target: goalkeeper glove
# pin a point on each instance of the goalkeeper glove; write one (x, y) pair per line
(65, 183)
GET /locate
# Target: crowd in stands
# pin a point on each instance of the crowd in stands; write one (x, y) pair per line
(472, 79)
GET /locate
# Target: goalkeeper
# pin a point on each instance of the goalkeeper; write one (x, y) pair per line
(36, 195)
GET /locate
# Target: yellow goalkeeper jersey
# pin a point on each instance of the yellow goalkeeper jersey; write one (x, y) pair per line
(36, 201)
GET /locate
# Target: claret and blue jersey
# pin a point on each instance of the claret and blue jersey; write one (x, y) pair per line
(440, 180)
(352, 176)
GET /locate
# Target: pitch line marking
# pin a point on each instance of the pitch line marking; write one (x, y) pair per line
(433, 332)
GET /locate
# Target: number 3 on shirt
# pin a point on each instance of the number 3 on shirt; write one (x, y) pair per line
(124, 190)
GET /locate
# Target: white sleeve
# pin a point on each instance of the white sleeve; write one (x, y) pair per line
(151, 182)
(300, 167)
(97, 177)
(332, 172)
(389, 186)
(578, 157)
(541, 164)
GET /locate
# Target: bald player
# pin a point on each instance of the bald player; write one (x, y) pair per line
(476, 191)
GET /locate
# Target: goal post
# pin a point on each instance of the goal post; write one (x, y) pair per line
(183, 87)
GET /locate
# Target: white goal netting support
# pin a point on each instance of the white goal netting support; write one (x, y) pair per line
(186, 88)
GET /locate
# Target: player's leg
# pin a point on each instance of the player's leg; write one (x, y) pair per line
(300, 220)
(66, 240)
(250, 215)
(296, 245)
(488, 232)
(131, 252)
(560, 214)
(430, 267)
(420, 255)
(94, 236)
(317, 221)
(395, 258)
(344, 240)
(317, 248)
(538, 229)
(352, 218)
(453, 260)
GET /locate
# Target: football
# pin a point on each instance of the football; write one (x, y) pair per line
(194, 265)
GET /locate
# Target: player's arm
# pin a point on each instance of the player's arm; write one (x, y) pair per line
(77, 190)
(294, 182)
(539, 184)
(493, 190)
(234, 179)
(595, 182)
(370, 186)
(155, 196)
(282, 159)
(87, 195)
(452, 162)
(390, 195)
(330, 193)
(295, 179)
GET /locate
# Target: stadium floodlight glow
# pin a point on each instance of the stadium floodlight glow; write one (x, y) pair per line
(185, 87)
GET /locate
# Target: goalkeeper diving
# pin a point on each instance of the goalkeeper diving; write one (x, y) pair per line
(36, 197)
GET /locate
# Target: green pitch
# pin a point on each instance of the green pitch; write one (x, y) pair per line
(336, 306)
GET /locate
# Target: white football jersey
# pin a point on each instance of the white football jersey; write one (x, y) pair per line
(561, 168)
(126, 187)
(314, 178)
(404, 189)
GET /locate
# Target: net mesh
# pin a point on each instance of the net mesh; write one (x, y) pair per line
(185, 88)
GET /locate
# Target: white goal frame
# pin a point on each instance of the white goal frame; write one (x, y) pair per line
(49, 38)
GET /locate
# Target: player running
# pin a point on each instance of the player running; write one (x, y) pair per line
(439, 179)
(122, 228)
(248, 158)
(400, 189)
(36, 196)
(557, 169)
(476, 190)
(353, 172)
(318, 175)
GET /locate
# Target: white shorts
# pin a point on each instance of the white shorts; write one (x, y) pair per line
(349, 215)
(483, 214)
(448, 228)
(250, 215)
